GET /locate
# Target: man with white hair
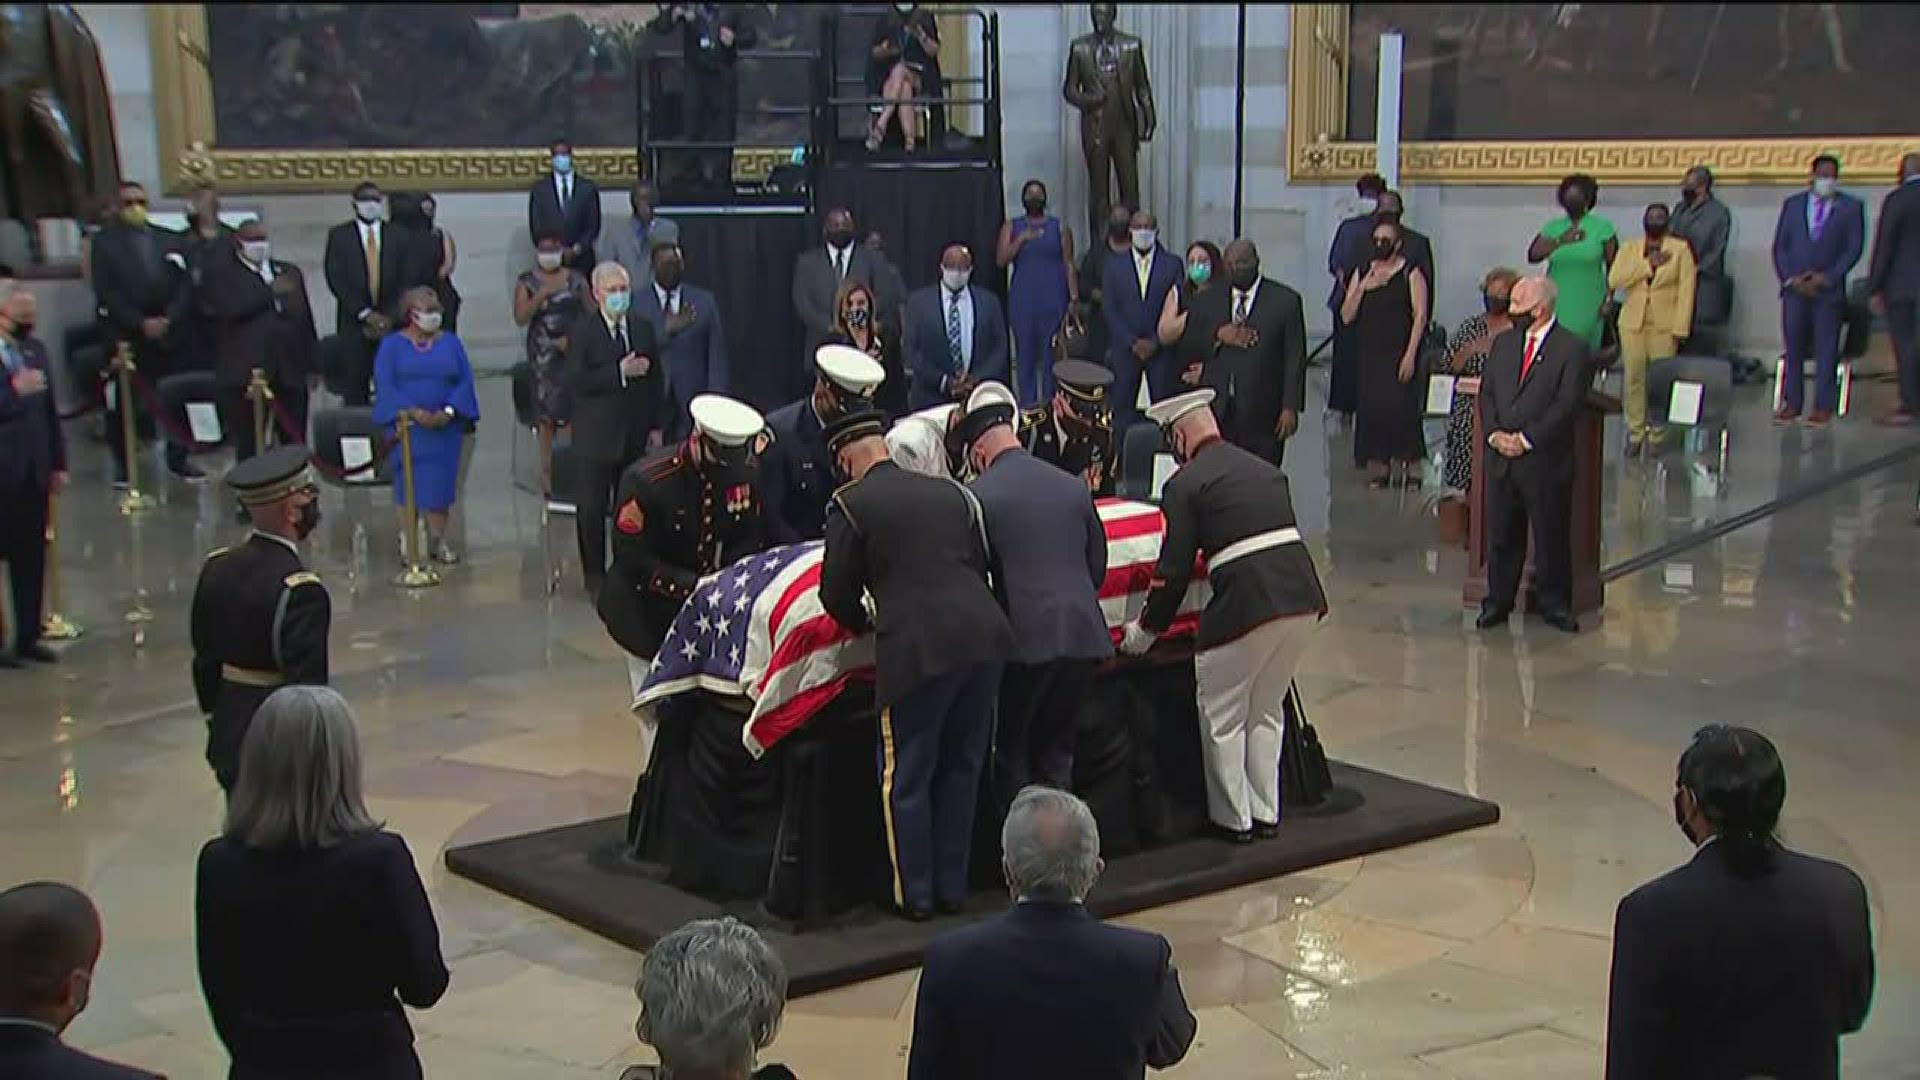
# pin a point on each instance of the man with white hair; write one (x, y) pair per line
(711, 994)
(1047, 990)
(1530, 393)
(1237, 510)
(616, 402)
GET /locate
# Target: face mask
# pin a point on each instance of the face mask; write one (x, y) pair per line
(1522, 320)
(1199, 272)
(1143, 240)
(726, 465)
(617, 303)
(135, 216)
(1680, 818)
(255, 251)
(1688, 194)
(427, 321)
(669, 277)
(1367, 205)
(547, 260)
(308, 520)
(857, 317)
(840, 238)
(563, 163)
(1497, 303)
(1825, 186)
(1035, 206)
(368, 210)
(954, 280)
(1387, 215)
(1243, 277)
(23, 328)
(1384, 249)
(1574, 205)
(1655, 229)
(1117, 230)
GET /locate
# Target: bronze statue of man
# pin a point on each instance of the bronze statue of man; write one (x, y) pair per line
(1107, 82)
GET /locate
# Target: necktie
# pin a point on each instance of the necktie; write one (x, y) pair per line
(1142, 269)
(620, 339)
(1526, 358)
(566, 191)
(953, 333)
(373, 264)
(840, 265)
(673, 302)
(1819, 217)
(1239, 307)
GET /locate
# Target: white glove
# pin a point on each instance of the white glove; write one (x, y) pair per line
(1135, 639)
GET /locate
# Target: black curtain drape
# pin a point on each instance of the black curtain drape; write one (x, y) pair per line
(919, 210)
(746, 258)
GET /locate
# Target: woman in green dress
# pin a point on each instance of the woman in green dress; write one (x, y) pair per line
(1578, 250)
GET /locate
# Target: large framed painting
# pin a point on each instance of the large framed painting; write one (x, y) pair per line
(1631, 93)
(317, 97)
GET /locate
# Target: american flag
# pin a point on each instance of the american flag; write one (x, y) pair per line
(757, 629)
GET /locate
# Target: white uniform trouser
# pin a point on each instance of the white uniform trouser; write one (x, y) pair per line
(1241, 687)
(643, 716)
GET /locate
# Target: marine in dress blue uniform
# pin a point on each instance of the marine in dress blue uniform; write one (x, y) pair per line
(798, 471)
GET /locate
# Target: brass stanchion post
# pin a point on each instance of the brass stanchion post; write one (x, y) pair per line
(53, 625)
(134, 500)
(261, 394)
(417, 575)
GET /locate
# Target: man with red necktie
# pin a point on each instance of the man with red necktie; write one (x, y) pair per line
(1531, 390)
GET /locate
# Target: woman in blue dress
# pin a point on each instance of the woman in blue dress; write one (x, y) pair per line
(422, 372)
(1040, 250)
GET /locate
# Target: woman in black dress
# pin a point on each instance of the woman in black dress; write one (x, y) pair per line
(1205, 268)
(431, 254)
(1386, 302)
(905, 63)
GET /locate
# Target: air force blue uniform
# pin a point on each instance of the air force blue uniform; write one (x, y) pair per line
(797, 474)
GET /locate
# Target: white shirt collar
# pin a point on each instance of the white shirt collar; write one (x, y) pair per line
(666, 296)
(614, 323)
(1252, 293)
(281, 540)
(29, 1022)
(1539, 333)
(560, 184)
(837, 255)
(368, 228)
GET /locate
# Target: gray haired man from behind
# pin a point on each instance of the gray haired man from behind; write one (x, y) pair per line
(1047, 990)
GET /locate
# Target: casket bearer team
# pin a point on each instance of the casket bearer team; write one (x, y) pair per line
(1048, 554)
(681, 513)
(798, 472)
(1236, 509)
(1075, 430)
(260, 617)
(918, 545)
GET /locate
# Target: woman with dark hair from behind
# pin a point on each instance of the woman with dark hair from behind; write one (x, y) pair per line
(1750, 960)
(431, 253)
(311, 923)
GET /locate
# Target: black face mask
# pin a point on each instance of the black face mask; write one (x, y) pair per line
(857, 317)
(839, 237)
(669, 277)
(1496, 303)
(1243, 277)
(1384, 249)
(1120, 231)
(1688, 194)
(308, 520)
(1522, 320)
(726, 466)
(1388, 215)
(1680, 819)
(1035, 205)
(1655, 229)
(1574, 205)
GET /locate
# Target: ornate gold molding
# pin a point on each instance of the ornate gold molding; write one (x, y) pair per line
(1316, 128)
(190, 152)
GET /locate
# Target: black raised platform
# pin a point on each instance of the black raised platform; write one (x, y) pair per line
(579, 873)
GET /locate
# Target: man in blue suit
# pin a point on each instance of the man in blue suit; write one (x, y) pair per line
(686, 322)
(33, 465)
(797, 472)
(1048, 552)
(955, 335)
(1047, 989)
(1818, 240)
(1135, 286)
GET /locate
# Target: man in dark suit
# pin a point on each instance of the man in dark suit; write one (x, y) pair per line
(145, 298)
(1133, 288)
(1107, 81)
(954, 333)
(1893, 283)
(918, 545)
(1049, 558)
(1817, 241)
(693, 343)
(819, 272)
(50, 936)
(33, 466)
(1749, 961)
(367, 268)
(611, 361)
(711, 37)
(1046, 989)
(567, 205)
(1414, 245)
(1530, 393)
(261, 319)
(1250, 340)
(1353, 238)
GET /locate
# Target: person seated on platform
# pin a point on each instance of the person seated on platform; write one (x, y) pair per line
(797, 471)
(1466, 358)
(1205, 269)
(858, 325)
(50, 940)
(630, 241)
(1046, 989)
(421, 372)
(955, 334)
(1749, 961)
(310, 920)
(917, 544)
(568, 205)
(1049, 558)
(1656, 273)
(681, 513)
(903, 63)
(547, 300)
(693, 343)
(711, 994)
(1237, 510)
(1075, 430)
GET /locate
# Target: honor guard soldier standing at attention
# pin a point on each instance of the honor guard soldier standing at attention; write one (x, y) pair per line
(1075, 430)
(681, 513)
(797, 473)
(1236, 509)
(260, 617)
(918, 545)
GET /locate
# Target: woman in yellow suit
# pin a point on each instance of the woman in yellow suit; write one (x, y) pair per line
(1657, 274)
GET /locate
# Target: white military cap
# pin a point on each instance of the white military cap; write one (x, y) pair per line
(988, 394)
(1167, 410)
(990, 405)
(724, 420)
(849, 369)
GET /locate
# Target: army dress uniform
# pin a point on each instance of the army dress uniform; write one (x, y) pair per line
(260, 618)
(797, 472)
(1082, 443)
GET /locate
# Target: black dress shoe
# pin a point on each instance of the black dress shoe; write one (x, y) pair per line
(8, 662)
(1231, 836)
(188, 472)
(914, 914)
(1560, 620)
(39, 653)
(1492, 617)
(1264, 831)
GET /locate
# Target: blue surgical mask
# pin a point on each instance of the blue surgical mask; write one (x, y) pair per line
(563, 163)
(617, 303)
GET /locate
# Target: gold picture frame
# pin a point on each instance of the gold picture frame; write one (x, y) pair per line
(190, 154)
(1317, 151)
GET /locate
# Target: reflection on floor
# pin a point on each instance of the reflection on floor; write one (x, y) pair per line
(490, 706)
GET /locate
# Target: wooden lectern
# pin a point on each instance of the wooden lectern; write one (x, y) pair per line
(1589, 592)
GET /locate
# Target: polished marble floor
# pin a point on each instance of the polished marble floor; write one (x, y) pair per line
(492, 705)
